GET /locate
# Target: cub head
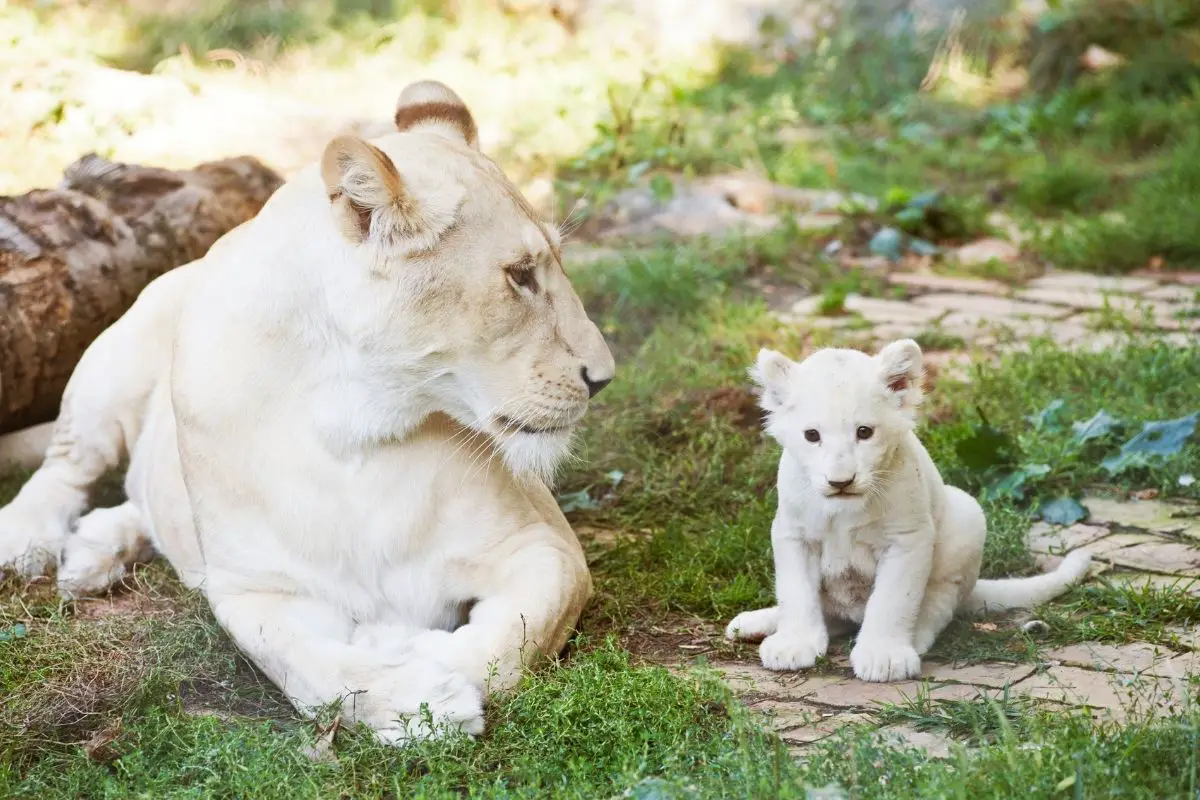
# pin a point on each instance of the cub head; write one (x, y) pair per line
(457, 301)
(841, 414)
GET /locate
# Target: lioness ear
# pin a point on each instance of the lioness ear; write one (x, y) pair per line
(901, 365)
(771, 371)
(432, 105)
(370, 198)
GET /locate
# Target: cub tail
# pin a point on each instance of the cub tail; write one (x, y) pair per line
(1009, 593)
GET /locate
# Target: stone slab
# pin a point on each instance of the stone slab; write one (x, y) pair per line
(995, 675)
(1152, 515)
(990, 307)
(1084, 281)
(1051, 539)
(1131, 658)
(947, 283)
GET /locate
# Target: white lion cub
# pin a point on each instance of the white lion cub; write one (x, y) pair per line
(866, 533)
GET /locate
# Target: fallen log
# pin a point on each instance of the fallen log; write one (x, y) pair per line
(73, 259)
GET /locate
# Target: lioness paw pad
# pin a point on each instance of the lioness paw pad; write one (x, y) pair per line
(784, 652)
(885, 661)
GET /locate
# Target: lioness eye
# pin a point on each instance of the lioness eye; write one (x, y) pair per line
(864, 432)
(812, 435)
(523, 277)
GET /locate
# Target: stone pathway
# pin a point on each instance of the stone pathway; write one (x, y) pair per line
(1144, 542)
(1073, 309)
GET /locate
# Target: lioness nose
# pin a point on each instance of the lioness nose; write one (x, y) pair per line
(839, 485)
(593, 386)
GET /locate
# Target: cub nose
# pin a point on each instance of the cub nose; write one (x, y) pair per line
(593, 386)
(840, 485)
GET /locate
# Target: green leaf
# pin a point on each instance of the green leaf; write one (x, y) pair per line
(1049, 419)
(1062, 511)
(985, 448)
(577, 501)
(1157, 442)
(925, 200)
(1013, 484)
(910, 217)
(15, 632)
(887, 243)
(1099, 426)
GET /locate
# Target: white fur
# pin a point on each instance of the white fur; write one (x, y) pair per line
(899, 552)
(322, 417)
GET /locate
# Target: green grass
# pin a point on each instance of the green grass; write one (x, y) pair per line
(189, 718)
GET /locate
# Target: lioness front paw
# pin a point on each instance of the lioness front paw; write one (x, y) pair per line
(29, 540)
(791, 651)
(885, 661)
(410, 707)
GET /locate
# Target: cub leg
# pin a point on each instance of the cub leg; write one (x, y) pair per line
(105, 544)
(885, 649)
(801, 636)
(957, 558)
(304, 646)
(753, 626)
(527, 611)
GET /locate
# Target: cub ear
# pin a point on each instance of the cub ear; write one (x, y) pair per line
(901, 367)
(771, 371)
(371, 201)
(433, 105)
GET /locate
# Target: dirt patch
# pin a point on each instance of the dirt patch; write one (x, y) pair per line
(675, 639)
(736, 404)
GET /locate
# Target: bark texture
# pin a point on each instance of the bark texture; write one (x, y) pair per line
(73, 259)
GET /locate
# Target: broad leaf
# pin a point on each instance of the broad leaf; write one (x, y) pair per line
(1049, 418)
(1157, 442)
(1013, 484)
(985, 448)
(1063, 511)
(577, 501)
(1099, 426)
(887, 243)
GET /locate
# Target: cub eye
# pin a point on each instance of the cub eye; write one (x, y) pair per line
(523, 277)
(864, 432)
(812, 435)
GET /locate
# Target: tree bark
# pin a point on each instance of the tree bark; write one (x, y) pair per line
(73, 259)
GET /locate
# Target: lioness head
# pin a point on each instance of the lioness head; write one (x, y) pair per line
(841, 414)
(461, 284)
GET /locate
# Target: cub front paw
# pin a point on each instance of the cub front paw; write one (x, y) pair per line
(753, 626)
(885, 661)
(789, 651)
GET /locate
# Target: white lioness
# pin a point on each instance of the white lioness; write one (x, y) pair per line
(866, 533)
(337, 423)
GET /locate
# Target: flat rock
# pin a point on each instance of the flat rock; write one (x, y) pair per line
(1151, 515)
(947, 283)
(989, 307)
(1044, 538)
(873, 309)
(1136, 657)
(1152, 580)
(1121, 693)
(984, 251)
(934, 744)
(1106, 548)
(752, 679)
(995, 675)
(853, 693)
(1174, 293)
(1172, 558)
(1087, 282)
